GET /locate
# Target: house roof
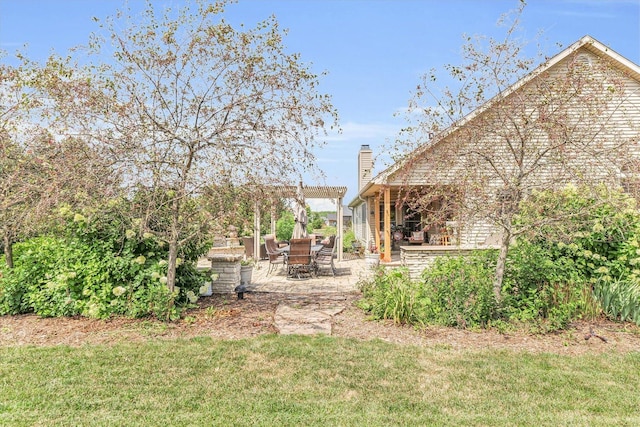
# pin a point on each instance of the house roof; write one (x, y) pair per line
(587, 42)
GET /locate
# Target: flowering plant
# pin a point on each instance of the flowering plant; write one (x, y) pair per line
(373, 249)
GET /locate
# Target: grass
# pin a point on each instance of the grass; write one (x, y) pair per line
(311, 381)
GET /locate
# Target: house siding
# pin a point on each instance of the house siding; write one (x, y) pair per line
(621, 127)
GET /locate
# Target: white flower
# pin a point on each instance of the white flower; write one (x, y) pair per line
(147, 235)
(140, 260)
(129, 234)
(163, 280)
(192, 297)
(118, 290)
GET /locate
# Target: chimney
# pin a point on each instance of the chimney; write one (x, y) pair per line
(365, 166)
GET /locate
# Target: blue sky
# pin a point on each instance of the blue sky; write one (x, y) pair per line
(373, 50)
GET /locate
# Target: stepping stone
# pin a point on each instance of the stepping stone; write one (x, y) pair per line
(310, 320)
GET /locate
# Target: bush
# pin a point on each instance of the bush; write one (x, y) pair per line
(284, 226)
(551, 273)
(392, 295)
(544, 288)
(459, 290)
(347, 240)
(98, 267)
(455, 291)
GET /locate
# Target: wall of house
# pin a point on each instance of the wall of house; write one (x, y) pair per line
(461, 157)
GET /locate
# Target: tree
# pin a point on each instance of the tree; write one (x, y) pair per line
(509, 130)
(38, 167)
(188, 102)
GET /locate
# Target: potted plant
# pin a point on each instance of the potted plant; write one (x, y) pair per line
(372, 256)
(246, 270)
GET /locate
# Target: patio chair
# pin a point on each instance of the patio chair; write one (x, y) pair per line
(249, 251)
(275, 256)
(416, 238)
(324, 258)
(248, 247)
(330, 241)
(299, 259)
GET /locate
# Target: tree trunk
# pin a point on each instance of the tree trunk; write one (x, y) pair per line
(8, 251)
(500, 266)
(173, 245)
(171, 264)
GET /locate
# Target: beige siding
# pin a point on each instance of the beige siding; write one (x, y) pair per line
(600, 159)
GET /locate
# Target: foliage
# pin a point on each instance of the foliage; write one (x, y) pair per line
(556, 265)
(392, 295)
(348, 238)
(544, 290)
(619, 299)
(285, 225)
(99, 267)
(454, 291)
(459, 290)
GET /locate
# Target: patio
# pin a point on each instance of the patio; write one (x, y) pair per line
(349, 272)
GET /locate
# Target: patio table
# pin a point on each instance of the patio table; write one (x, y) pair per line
(314, 248)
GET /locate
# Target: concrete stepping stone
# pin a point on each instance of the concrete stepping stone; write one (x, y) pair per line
(307, 320)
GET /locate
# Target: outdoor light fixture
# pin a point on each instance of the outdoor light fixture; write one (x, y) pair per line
(240, 290)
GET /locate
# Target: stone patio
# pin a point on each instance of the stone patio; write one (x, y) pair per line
(304, 315)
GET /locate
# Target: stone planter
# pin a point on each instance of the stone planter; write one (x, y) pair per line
(206, 290)
(372, 260)
(246, 272)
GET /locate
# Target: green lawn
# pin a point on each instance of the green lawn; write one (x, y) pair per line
(289, 380)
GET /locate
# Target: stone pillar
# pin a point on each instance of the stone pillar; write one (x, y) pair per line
(228, 269)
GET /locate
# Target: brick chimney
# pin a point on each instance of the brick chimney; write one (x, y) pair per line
(365, 166)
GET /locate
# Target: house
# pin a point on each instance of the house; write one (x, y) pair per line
(332, 218)
(575, 117)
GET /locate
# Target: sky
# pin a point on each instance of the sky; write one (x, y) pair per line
(373, 51)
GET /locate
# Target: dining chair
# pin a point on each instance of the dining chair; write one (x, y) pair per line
(276, 257)
(324, 258)
(299, 259)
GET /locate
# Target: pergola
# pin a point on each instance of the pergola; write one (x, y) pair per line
(310, 192)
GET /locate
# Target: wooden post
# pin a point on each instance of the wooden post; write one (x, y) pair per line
(376, 220)
(387, 224)
(339, 228)
(256, 230)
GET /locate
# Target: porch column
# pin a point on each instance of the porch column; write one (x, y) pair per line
(376, 220)
(387, 224)
(339, 222)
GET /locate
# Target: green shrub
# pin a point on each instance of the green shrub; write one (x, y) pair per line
(552, 270)
(347, 240)
(284, 226)
(455, 291)
(97, 267)
(392, 295)
(620, 299)
(543, 287)
(458, 290)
